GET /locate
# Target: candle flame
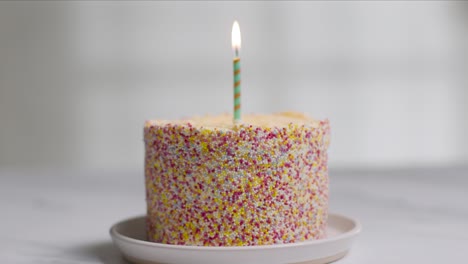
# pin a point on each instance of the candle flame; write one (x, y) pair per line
(236, 36)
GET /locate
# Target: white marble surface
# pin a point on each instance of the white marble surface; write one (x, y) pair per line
(408, 216)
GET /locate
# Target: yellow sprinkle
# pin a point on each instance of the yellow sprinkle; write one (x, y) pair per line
(164, 198)
(204, 146)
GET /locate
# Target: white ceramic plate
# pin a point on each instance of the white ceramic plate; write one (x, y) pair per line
(129, 236)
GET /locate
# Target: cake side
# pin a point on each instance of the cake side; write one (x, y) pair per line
(257, 183)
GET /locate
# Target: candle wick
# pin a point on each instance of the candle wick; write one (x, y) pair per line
(236, 50)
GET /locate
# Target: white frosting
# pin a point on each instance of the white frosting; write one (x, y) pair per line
(225, 120)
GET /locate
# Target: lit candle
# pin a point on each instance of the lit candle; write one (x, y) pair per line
(236, 44)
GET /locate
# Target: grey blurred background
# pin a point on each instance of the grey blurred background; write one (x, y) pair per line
(78, 79)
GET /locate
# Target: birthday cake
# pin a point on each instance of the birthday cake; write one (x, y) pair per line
(261, 182)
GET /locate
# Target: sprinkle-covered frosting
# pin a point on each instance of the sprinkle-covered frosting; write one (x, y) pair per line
(262, 182)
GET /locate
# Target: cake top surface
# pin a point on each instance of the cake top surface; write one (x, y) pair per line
(225, 121)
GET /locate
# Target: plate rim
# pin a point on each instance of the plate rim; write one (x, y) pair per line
(351, 233)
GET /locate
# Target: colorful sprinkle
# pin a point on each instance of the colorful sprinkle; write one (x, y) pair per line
(248, 185)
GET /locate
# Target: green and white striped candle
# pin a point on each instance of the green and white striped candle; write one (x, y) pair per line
(236, 44)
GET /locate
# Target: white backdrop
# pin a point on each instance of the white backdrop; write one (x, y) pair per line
(77, 80)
